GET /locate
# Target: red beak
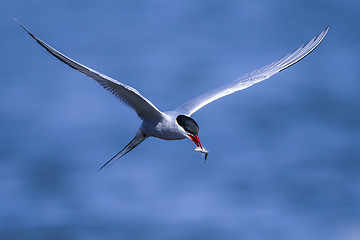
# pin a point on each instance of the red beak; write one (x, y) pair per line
(196, 140)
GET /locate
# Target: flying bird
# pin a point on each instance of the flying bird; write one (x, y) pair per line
(177, 124)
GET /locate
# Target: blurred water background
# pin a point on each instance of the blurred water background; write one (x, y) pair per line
(284, 158)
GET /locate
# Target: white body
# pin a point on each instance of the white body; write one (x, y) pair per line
(164, 128)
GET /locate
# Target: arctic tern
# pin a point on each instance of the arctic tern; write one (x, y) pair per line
(177, 124)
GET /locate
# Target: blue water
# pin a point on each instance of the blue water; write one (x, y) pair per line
(284, 158)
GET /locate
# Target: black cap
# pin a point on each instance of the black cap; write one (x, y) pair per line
(188, 124)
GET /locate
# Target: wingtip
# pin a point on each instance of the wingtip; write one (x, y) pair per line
(327, 29)
(323, 34)
(21, 25)
(17, 21)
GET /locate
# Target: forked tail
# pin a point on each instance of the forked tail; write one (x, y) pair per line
(139, 138)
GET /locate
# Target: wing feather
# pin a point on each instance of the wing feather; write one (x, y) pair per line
(249, 79)
(142, 106)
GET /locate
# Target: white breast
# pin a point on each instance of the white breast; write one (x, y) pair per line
(167, 128)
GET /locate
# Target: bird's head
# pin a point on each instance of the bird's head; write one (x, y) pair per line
(191, 128)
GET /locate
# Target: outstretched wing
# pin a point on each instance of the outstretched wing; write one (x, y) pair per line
(246, 81)
(142, 106)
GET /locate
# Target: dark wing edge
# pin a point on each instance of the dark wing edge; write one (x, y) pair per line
(142, 106)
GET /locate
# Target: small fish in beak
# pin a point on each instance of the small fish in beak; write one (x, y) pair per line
(199, 147)
(202, 150)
